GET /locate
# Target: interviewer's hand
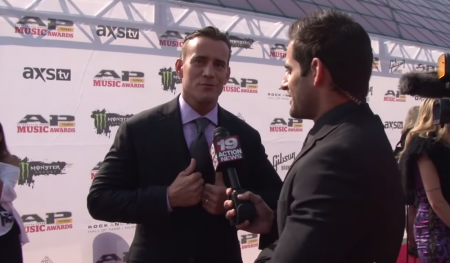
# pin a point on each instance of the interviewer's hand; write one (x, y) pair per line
(264, 218)
(187, 188)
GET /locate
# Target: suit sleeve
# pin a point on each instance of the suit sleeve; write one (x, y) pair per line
(115, 194)
(328, 199)
(265, 182)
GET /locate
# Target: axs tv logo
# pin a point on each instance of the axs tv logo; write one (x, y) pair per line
(45, 74)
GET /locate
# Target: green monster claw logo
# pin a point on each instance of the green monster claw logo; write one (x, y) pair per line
(30, 169)
(24, 171)
(169, 79)
(100, 120)
(104, 121)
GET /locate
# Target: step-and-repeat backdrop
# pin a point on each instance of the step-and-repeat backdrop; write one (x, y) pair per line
(66, 86)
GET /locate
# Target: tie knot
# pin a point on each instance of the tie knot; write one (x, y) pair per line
(202, 123)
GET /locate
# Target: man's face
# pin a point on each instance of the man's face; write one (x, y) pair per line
(204, 70)
(299, 88)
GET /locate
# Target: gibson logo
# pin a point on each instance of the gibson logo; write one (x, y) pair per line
(279, 159)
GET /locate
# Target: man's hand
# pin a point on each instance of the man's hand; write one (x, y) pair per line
(214, 196)
(264, 219)
(187, 188)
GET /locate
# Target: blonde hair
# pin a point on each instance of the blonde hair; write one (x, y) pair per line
(426, 128)
(411, 119)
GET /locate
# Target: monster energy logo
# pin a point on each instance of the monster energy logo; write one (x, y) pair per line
(25, 171)
(167, 78)
(100, 120)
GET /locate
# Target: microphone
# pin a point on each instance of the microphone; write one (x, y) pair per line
(433, 85)
(225, 153)
(424, 84)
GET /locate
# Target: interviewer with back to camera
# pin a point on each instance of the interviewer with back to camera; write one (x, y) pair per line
(148, 177)
(342, 199)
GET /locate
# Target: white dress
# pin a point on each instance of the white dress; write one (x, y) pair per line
(9, 174)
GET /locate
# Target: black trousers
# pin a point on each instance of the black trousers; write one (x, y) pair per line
(10, 246)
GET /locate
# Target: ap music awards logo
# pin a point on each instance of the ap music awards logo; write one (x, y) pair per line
(45, 74)
(279, 159)
(394, 96)
(286, 125)
(32, 25)
(94, 170)
(174, 39)
(30, 169)
(126, 79)
(249, 240)
(113, 258)
(169, 79)
(109, 227)
(34, 123)
(278, 51)
(241, 86)
(117, 32)
(103, 121)
(393, 125)
(54, 221)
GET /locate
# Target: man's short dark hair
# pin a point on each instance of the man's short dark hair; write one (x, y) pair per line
(340, 43)
(209, 32)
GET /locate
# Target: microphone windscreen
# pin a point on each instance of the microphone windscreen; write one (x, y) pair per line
(423, 84)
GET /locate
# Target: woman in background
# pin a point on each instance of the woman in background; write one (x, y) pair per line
(410, 122)
(426, 176)
(12, 232)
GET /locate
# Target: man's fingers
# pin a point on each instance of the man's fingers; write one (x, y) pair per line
(243, 226)
(228, 205)
(229, 191)
(191, 168)
(230, 214)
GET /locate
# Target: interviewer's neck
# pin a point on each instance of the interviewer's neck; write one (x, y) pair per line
(329, 103)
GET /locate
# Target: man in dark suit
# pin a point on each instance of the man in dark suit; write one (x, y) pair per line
(158, 173)
(342, 200)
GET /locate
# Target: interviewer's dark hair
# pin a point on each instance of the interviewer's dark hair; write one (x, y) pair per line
(210, 32)
(340, 43)
(3, 147)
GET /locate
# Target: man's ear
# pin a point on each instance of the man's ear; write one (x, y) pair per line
(179, 67)
(319, 71)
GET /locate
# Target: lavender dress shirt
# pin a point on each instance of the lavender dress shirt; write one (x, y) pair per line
(188, 117)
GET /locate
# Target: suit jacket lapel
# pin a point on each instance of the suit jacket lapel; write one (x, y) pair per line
(172, 134)
(311, 142)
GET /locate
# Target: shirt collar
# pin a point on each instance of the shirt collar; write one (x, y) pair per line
(188, 114)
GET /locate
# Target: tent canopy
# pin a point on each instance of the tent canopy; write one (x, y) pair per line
(423, 21)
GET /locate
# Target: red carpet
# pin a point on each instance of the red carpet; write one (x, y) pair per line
(402, 256)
